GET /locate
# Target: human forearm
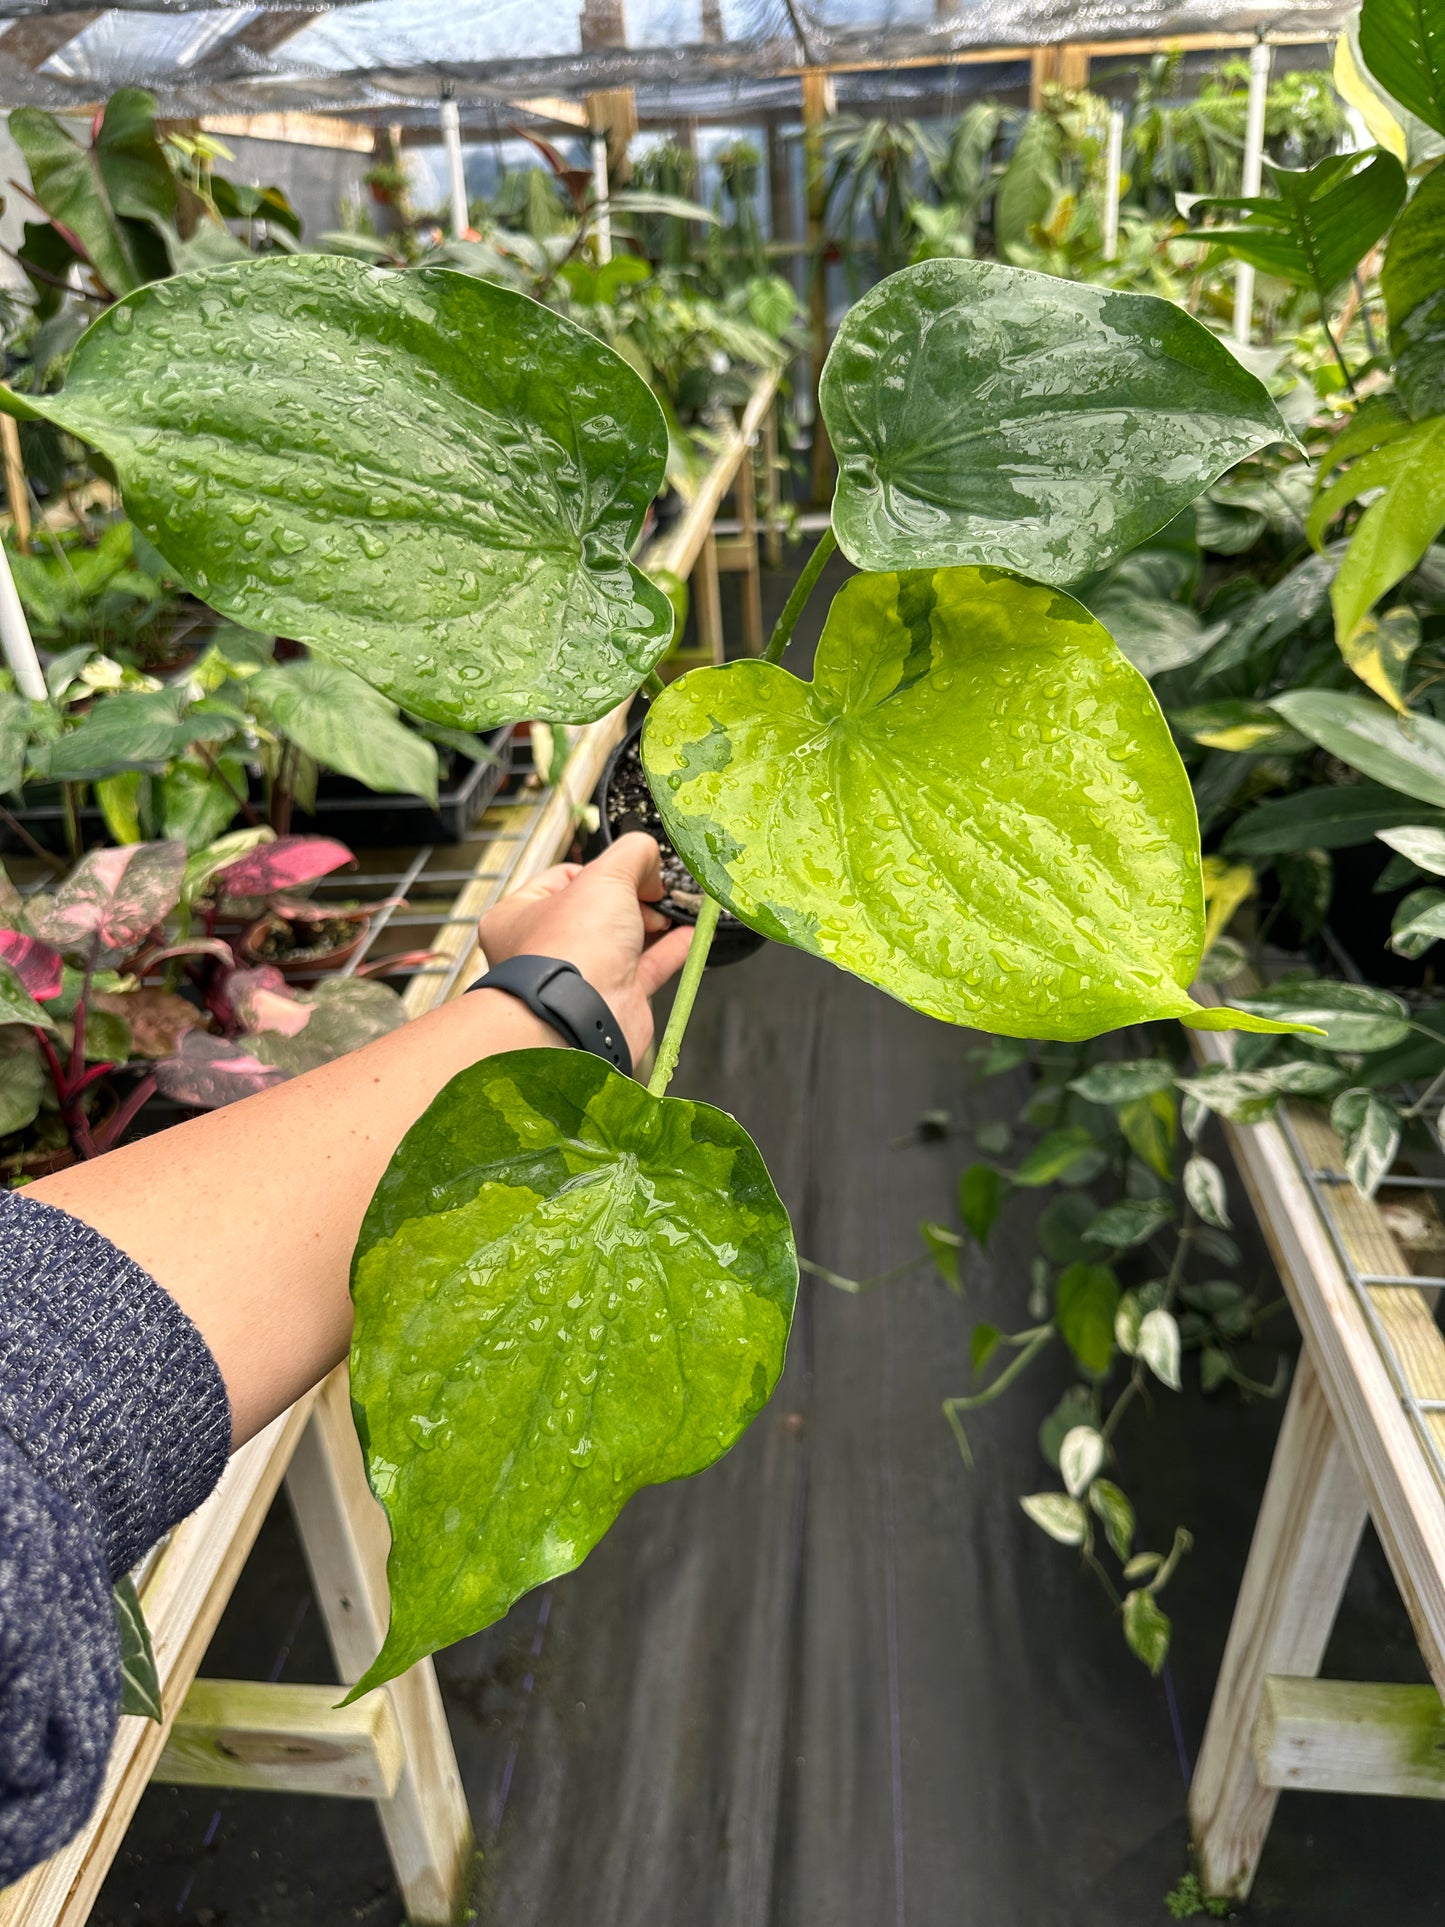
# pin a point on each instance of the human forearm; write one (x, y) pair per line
(248, 1216)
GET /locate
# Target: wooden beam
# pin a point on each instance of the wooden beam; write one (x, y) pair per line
(31, 42)
(295, 130)
(554, 107)
(283, 1739)
(266, 32)
(1343, 1736)
(16, 492)
(1309, 1526)
(612, 111)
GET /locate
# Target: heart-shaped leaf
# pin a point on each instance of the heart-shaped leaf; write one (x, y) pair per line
(340, 1016)
(565, 1289)
(22, 1079)
(1319, 223)
(432, 480)
(17, 1006)
(976, 804)
(343, 722)
(207, 1072)
(39, 966)
(285, 864)
(985, 414)
(112, 898)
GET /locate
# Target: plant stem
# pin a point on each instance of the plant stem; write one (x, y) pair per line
(144, 1091)
(654, 684)
(13, 824)
(683, 1002)
(802, 589)
(1338, 351)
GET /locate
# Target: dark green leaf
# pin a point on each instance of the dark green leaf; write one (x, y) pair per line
(565, 1289)
(1150, 1125)
(1214, 1368)
(17, 1006)
(1412, 280)
(980, 1193)
(1076, 1407)
(1038, 876)
(1146, 1628)
(1353, 1017)
(140, 1684)
(347, 726)
(1088, 1297)
(1027, 189)
(1061, 1226)
(433, 481)
(198, 800)
(982, 1344)
(1403, 45)
(1408, 756)
(983, 414)
(1334, 817)
(1320, 222)
(22, 1079)
(1418, 922)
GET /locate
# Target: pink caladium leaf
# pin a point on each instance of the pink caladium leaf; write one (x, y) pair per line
(285, 864)
(343, 1014)
(112, 898)
(39, 966)
(251, 994)
(309, 910)
(208, 1072)
(192, 947)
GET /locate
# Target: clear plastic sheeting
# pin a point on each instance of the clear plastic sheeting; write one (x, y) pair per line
(387, 53)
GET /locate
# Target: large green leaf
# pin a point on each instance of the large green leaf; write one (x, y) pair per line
(1319, 223)
(565, 1289)
(1406, 472)
(1030, 182)
(1405, 754)
(433, 481)
(976, 804)
(983, 414)
(1333, 817)
(1412, 280)
(344, 723)
(114, 195)
(1403, 45)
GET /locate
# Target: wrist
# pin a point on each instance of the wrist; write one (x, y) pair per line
(554, 990)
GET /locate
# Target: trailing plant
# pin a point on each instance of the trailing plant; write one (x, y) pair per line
(975, 804)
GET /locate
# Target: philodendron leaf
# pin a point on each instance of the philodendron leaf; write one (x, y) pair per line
(565, 1289)
(340, 720)
(140, 1684)
(1403, 45)
(986, 414)
(976, 805)
(431, 480)
(1404, 473)
(1319, 223)
(1406, 754)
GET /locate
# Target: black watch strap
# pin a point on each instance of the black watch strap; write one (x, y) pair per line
(558, 993)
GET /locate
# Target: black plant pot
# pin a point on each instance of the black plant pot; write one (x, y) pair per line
(624, 802)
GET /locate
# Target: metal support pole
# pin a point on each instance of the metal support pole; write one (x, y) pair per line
(451, 121)
(602, 233)
(1259, 59)
(15, 638)
(1113, 167)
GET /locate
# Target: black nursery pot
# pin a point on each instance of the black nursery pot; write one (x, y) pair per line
(624, 803)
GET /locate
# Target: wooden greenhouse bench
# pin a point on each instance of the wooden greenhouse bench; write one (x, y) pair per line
(1363, 1436)
(393, 1747)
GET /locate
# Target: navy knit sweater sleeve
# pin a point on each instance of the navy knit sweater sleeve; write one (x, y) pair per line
(114, 1424)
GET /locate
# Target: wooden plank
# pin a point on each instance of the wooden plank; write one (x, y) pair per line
(183, 1597)
(1348, 1736)
(282, 1739)
(1404, 1497)
(553, 107)
(16, 494)
(344, 1536)
(31, 42)
(707, 602)
(295, 129)
(1304, 1544)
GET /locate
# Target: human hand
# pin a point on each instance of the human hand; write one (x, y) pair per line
(597, 916)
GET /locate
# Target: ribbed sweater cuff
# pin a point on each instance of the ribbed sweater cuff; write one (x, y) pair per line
(105, 1384)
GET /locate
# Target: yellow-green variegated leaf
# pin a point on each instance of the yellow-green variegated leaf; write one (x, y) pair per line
(565, 1289)
(976, 805)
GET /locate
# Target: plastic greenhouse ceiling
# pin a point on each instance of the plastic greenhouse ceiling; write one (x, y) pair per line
(408, 53)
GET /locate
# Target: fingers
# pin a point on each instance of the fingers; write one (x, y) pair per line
(549, 882)
(636, 857)
(663, 959)
(654, 922)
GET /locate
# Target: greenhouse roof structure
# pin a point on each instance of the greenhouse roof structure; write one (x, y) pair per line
(389, 58)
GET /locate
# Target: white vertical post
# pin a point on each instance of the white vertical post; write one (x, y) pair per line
(603, 230)
(451, 121)
(1259, 58)
(15, 638)
(1113, 167)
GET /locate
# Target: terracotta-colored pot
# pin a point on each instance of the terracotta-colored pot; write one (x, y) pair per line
(302, 962)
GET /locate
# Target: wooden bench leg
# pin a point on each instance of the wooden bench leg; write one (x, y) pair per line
(1304, 1545)
(707, 600)
(772, 491)
(752, 588)
(343, 1532)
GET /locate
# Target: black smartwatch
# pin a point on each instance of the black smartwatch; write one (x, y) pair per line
(558, 993)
